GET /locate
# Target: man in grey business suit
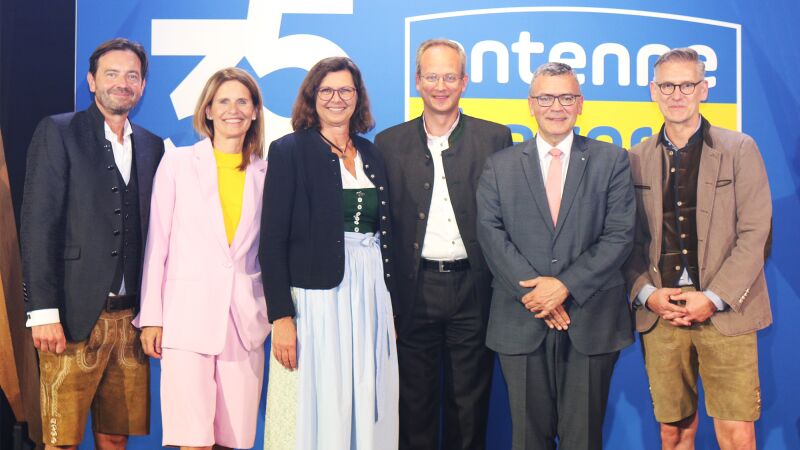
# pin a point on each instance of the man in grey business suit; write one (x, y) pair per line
(556, 217)
(442, 298)
(696, 273)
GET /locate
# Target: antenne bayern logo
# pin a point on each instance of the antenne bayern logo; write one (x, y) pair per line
(611, 50)
(224, 43)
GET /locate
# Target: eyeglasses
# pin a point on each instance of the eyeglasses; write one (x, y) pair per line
(433, 78)
(686, 88)
(345, 93)
(563, 99)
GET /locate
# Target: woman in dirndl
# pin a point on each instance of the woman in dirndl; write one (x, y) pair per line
(324, 253)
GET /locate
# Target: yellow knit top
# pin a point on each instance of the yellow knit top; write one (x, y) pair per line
(231, 189)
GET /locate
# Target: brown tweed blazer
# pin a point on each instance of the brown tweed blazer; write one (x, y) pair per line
(734, 220)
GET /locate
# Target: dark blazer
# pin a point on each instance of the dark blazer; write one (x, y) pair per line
(302, 218)
(69, 227)
(585, 251)
(410, 171)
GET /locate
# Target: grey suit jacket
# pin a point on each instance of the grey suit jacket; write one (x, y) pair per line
(585, 250)
(410, 172)
(734, 219)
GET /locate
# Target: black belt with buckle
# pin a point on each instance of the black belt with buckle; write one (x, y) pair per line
(445, 266)
(121, 302)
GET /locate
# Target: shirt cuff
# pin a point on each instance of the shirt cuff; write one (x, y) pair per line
(42, 317)
(644, 293)
(715, 300)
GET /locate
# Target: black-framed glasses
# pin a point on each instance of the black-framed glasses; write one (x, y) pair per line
(686, 88)
(563, 99)
(433, 78)
(345, 93)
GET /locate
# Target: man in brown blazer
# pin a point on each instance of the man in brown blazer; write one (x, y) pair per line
(696, 274)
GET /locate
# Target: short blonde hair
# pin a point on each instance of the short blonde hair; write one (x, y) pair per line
(441, 42)
(254, 138)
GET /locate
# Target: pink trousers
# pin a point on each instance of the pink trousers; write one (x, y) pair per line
(211, 399)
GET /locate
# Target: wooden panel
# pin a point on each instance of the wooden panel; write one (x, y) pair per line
(19, 371)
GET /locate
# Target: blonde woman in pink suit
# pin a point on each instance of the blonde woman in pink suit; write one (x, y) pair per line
(203, 310)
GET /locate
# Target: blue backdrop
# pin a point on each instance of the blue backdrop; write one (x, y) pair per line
(751, 53)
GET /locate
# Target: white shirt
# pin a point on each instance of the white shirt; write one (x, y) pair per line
(123, 158)
(545, 157)
(123, 152)
(360, 181)
(442, 238)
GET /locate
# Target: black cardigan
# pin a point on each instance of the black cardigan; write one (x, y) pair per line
(302, 219)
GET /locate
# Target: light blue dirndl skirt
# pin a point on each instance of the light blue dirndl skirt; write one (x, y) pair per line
(344, 394)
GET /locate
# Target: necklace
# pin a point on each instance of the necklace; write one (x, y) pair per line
(342, 152)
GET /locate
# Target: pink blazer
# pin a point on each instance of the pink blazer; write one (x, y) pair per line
(192, 279)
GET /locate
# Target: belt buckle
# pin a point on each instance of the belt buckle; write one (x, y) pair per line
(441, 267)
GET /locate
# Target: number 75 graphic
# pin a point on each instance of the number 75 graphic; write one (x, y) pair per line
(224, 43)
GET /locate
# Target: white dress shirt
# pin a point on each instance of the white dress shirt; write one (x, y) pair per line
(442, 238)
(123, 158)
